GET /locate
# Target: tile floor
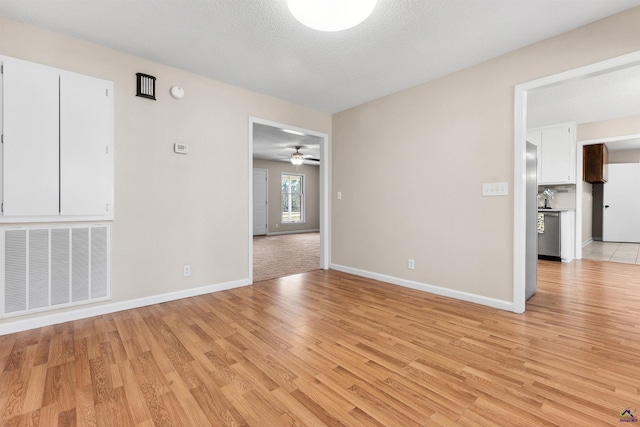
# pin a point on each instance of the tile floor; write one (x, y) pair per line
(627, 253)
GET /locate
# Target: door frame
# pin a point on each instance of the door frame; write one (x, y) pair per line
(579, 185)
(324, 189)
(519, 164)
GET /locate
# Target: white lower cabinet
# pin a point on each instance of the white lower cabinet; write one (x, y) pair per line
(567, 235)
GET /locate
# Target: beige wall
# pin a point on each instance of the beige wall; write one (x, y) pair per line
(608, 128)
(624, 156)
(312, 195)
(170, 210)
(411, 165)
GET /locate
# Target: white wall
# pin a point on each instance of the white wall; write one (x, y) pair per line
(411, 165)
(170, 209)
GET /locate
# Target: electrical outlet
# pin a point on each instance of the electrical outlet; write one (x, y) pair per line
(411, 264)
(187, 270)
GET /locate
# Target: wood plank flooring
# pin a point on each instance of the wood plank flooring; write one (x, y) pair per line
(327, 348)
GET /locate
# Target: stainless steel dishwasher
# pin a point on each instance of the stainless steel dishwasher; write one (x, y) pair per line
(549, 239)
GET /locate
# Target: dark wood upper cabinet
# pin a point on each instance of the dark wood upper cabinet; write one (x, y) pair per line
(595, 160)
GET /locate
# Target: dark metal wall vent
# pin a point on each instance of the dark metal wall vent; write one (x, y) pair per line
(146, 87)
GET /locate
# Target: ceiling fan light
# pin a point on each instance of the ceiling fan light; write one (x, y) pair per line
(297, 158)
(331, 15)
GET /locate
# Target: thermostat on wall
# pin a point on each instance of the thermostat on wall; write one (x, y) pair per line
(180, 148)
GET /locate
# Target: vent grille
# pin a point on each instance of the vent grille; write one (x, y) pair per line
(46, 268)
(146, 86)
(15, 271)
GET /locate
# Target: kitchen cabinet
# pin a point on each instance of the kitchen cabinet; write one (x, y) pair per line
(57, 144)
(567, 235)
(556, 153)
(595, 163)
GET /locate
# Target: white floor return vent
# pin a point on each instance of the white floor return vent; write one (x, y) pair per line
(53, 267)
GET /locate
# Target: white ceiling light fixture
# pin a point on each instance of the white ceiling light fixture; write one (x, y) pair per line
(293, 132)
(297, 158)
(331, 15)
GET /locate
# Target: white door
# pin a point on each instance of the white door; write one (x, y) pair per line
(260, 202)
(86, 139)
(621, 211)
(31, 139)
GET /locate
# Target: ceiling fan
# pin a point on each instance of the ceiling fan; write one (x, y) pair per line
(297, 158)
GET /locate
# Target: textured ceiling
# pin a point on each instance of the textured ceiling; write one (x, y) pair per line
(608, 96)
(604, 97)
(273, 143)
(257, 44)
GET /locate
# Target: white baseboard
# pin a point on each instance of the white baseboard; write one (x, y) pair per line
(587, 242)
(277, 233)
(90, 311)
(437, 290)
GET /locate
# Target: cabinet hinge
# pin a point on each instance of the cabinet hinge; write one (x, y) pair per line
(2, 207)
(2, 139)
(2, 69)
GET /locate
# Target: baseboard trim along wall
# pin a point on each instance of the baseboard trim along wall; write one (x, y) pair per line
(85, 312)
(276, 233)
(437, 290)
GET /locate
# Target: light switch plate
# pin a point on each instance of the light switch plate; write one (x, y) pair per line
(495, 189)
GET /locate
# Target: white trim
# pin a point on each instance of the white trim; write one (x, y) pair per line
(587, 242)
(432, 289)
(53, 319)
(278, 233)
(324, 190)
(520, 128)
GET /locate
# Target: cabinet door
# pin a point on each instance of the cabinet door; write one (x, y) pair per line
(558, 155)
(86, 138)
(30, 180)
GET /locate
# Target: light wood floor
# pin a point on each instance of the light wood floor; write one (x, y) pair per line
(327, 348)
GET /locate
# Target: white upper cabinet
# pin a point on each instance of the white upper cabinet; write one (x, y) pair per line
(556, 153)
(30, 139)
(57, 155)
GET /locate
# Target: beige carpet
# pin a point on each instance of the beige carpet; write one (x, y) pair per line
(285, 254)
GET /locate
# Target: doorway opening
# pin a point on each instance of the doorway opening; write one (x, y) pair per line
(520, 189)
(292, 230)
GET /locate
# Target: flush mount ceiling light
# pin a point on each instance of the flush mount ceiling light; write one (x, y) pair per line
(297, 158)
(331, 15)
